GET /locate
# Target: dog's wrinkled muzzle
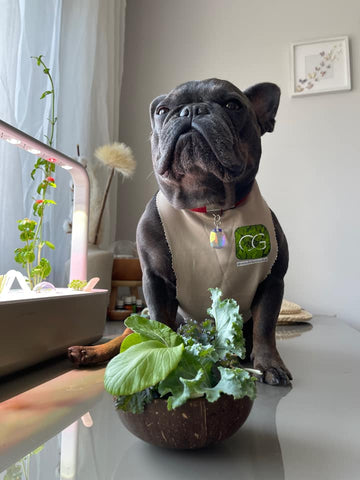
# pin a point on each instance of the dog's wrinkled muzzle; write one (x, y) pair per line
(212, 142)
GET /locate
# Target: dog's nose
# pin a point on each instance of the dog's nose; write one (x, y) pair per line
(193, 110)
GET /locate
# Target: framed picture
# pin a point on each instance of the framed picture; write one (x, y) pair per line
(320, 66)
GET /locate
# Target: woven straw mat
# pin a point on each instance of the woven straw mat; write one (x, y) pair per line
(291, 312)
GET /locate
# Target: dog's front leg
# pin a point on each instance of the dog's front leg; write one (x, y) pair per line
(265, 310)
(160, 298)
(158, 278)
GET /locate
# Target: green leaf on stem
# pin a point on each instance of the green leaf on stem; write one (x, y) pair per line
(40, 188)
(48, 92)
(27, 235)
(153, 330)
(42, 270)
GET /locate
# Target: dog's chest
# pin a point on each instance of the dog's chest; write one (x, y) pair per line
(237, 268)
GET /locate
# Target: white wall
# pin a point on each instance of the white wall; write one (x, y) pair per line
(310, 166)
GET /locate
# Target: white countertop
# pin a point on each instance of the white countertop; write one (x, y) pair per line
(309, 431)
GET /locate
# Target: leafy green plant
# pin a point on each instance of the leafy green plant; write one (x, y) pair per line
(201, 359)
(31, 231)
(77, 284)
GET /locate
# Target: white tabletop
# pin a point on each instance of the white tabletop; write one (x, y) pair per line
(309, 431)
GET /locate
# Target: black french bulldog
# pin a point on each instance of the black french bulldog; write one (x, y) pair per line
(206, 149)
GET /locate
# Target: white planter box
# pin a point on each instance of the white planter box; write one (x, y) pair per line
(38, 326)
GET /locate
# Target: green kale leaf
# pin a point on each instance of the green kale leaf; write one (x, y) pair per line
(229, 336)
(193, 375)
(234, 381)
(136, 402)
(190, 388)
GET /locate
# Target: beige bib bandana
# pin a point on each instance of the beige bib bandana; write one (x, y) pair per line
(237, 269)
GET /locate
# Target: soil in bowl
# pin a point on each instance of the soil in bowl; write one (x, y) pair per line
(196, 424)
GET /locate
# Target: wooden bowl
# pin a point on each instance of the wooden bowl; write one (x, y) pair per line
(196, 424)
(126, 269)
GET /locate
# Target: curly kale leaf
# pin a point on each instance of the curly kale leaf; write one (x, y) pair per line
(234, 381)
(136, 402)
(192, 375)
(229, 338)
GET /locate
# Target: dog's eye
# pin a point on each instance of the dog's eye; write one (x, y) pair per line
(162, 111)
(233, 105)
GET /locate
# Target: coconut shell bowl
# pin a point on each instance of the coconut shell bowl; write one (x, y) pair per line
(196, 424)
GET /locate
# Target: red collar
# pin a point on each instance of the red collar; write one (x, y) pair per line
(204, 209)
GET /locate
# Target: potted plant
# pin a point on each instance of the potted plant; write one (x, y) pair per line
(183, 389)
(40, 321)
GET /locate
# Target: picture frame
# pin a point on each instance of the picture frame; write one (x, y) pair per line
(320, 66)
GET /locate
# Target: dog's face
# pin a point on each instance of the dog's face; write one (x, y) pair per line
(206, 140)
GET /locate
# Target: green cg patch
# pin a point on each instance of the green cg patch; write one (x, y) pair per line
(252, 242)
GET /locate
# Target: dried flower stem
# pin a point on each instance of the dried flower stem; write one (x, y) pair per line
(102, 209)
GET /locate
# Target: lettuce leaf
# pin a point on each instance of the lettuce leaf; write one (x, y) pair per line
(153, 330)
(130, 340)
(140, 366)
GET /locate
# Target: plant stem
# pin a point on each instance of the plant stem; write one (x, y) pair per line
(28, 268)
(97, 230)
(40, 237)
(47, 171)
(47, 166)
(52, 121)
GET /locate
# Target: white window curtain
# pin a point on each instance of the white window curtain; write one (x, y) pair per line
(82, 43)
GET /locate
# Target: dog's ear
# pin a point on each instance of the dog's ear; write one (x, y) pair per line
(265, 98)
(153, 106)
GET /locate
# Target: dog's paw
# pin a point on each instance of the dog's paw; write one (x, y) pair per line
(83, 355)
(273, 368)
